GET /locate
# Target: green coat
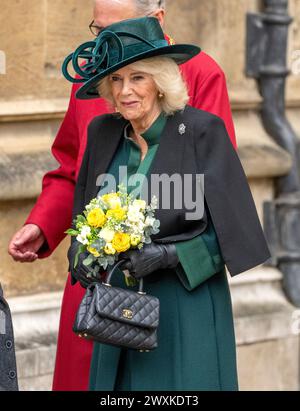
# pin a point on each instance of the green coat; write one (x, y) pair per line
(196, 342)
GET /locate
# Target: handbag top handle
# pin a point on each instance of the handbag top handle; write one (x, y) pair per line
(111, 272)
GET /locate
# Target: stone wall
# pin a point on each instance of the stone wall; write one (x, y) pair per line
(36, 36)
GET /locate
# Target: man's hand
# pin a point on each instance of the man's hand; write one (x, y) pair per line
(25, 244)
(150, 258)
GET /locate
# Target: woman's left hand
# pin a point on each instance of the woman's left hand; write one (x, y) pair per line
(150, 258)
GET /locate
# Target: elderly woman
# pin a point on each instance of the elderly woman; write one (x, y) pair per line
(154, 133)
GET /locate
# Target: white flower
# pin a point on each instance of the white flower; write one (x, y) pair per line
(149, 221)
(84, 233)
(140, 226)
(154, 203)
(134, 214)
(94, 203)
(139, 204)
(107, 234)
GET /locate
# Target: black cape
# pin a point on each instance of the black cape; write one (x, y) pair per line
(193, 142)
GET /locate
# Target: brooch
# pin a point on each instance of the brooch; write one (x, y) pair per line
(182, 128)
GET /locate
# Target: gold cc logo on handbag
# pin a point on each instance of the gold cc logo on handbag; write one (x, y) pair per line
(126, 313)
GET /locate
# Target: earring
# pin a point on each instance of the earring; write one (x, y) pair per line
(160, 95)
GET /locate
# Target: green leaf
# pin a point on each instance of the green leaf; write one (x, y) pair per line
(71, 231)
(156, 224)
(89, 260)
(96, 270)
(76, 258)
(98, 243)
(104, 264)
(81, 219)
(81, 249)
(110, 259)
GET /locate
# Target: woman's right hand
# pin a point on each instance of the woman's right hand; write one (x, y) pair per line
(81, 272)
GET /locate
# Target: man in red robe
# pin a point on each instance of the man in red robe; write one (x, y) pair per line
(38, 239)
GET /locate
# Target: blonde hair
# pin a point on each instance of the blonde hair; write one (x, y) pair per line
(168, 80)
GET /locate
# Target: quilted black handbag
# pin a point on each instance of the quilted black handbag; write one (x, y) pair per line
(118, 316)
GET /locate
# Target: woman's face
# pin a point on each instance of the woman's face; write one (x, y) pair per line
(135, 94)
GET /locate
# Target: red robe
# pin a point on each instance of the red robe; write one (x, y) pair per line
(53, 209)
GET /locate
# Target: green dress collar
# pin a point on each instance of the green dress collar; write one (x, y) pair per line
(152, 135)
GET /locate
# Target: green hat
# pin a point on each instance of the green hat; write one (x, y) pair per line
(117, 46)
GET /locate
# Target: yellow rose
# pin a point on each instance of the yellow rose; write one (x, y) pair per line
(135, 239)
(112, 200)
(96, 218)
(118, 213)
(121, 242)
(93, 251)
(109, 249)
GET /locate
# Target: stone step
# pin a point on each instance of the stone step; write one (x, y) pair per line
(35, 364)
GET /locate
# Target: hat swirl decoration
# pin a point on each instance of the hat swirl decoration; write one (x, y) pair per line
(96, 52)
(118, 45)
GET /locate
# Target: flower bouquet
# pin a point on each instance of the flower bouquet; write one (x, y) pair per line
(111, 224)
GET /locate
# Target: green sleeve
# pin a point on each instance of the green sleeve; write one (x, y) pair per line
(199, 258)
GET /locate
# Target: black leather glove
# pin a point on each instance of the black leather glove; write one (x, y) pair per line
(81, 272)
(150, 258)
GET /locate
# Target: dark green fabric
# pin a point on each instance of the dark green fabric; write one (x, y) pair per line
(200, 258)
(135, 166)
(196, 348)
(129, 154)
(196, 335)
